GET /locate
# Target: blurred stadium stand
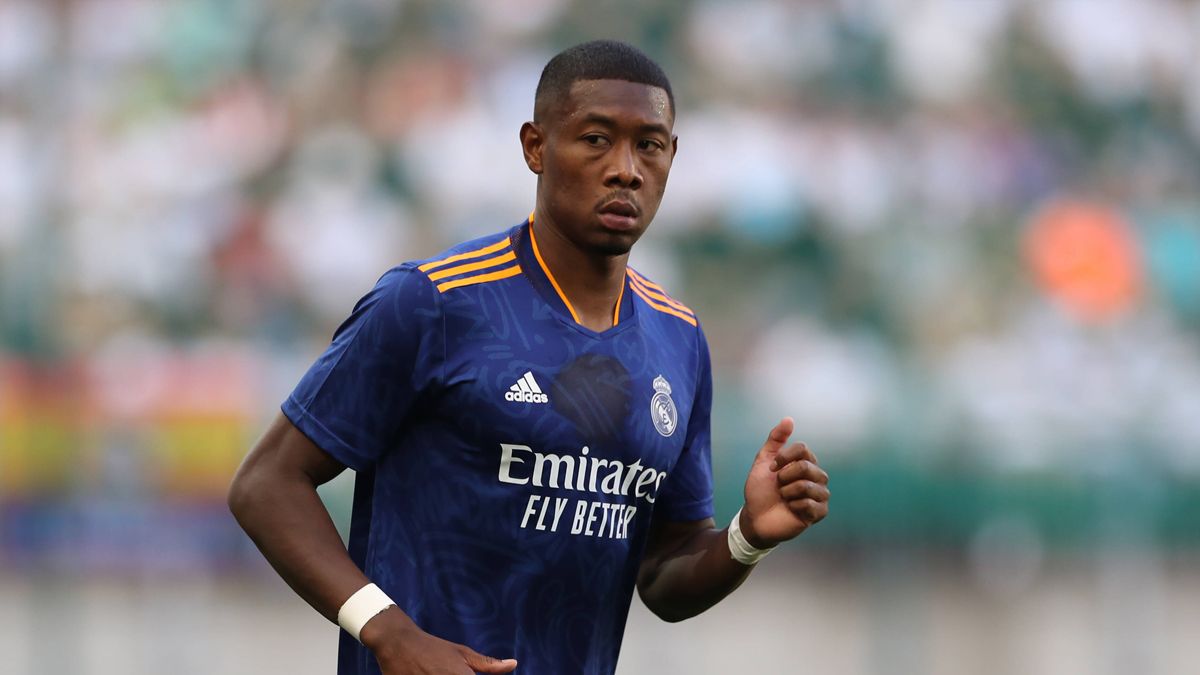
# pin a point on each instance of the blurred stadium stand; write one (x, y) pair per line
(959, 242)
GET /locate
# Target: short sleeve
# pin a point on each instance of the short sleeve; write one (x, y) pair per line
(354, 399)
(687, 493)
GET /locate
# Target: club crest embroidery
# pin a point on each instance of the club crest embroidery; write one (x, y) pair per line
(662, 408)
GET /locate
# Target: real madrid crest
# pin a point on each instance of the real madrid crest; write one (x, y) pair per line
(662, 408)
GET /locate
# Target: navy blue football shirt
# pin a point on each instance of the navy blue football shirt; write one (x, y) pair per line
(509, 459)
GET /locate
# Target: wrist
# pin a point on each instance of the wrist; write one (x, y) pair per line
(361, 607)
(741, 549)
(746, 524)
(387, 623)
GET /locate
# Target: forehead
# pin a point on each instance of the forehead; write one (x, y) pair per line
(624, 102)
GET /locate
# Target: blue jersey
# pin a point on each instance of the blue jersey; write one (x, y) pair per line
(509, 459)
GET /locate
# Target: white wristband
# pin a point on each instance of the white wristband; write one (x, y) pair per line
(361, 608)
(739, 548)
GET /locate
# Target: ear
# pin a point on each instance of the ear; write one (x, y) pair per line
(532, 142)
(674, 146)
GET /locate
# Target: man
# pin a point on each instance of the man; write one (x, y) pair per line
(529, 423)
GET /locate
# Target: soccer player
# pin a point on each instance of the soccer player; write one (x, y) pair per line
(528, 418)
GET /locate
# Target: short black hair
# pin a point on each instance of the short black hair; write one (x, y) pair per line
(598, 60)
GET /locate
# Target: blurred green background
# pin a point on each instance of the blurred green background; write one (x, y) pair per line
(958, 241)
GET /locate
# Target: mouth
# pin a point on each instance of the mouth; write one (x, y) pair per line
(619, 215)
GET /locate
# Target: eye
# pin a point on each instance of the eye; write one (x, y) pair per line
(650, 145)
(595, 140)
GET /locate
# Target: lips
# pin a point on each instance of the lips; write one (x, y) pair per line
(619, 207)
(619, 215)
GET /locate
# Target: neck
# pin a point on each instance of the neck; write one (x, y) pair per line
(592, 282)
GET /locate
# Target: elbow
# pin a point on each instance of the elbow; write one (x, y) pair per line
(235, 499)
(667, 611)
(671, 617)
(240, 498)
(669, 614)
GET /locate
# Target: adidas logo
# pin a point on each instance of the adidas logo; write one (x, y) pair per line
(527, 390)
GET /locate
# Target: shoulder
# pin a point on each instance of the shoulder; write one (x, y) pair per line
(473, 262)
(656, 298)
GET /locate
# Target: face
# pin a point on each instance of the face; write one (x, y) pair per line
(602, 156)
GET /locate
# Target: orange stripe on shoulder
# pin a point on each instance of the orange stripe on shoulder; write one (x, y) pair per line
(647, 282)
(659, 297)
(471, 267)
(665, 309)
(480, 278)
(477, 253)
(655, 291)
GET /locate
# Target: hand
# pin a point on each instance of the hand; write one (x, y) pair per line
(401, 648)
(786, 491)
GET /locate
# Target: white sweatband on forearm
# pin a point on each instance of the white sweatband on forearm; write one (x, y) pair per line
(361, 608)
(739, 548)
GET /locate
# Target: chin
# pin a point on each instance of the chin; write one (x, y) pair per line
(614, 245)
(614, 249)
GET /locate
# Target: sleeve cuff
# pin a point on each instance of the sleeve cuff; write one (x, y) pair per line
(686, 512)
(324, 439)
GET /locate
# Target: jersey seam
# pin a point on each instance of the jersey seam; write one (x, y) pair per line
(445, 347)
(672, 511)
(344, 448)
(686, 505)
(706, 502)
(441, 310)
(357, 328)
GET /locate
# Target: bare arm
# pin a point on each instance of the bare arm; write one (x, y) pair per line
(274, 498)
(687, 567)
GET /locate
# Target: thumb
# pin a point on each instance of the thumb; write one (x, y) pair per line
(486, 664)
(776, 439)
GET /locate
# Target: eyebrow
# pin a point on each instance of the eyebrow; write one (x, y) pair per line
(651, 127)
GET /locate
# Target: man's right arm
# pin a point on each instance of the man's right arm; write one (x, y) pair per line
(274, 498)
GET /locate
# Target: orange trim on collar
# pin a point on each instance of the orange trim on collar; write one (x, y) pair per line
(553, 282)
(617, 309)
(558, 289)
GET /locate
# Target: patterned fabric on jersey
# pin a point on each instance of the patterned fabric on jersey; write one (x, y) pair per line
(509, 459)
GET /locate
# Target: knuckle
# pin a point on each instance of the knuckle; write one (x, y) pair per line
(801, 506)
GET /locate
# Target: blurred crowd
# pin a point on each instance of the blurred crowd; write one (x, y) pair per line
(954, 239)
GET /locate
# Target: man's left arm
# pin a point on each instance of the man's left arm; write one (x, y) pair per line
(688, 567)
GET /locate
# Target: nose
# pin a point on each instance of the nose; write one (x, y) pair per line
(623, 169)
